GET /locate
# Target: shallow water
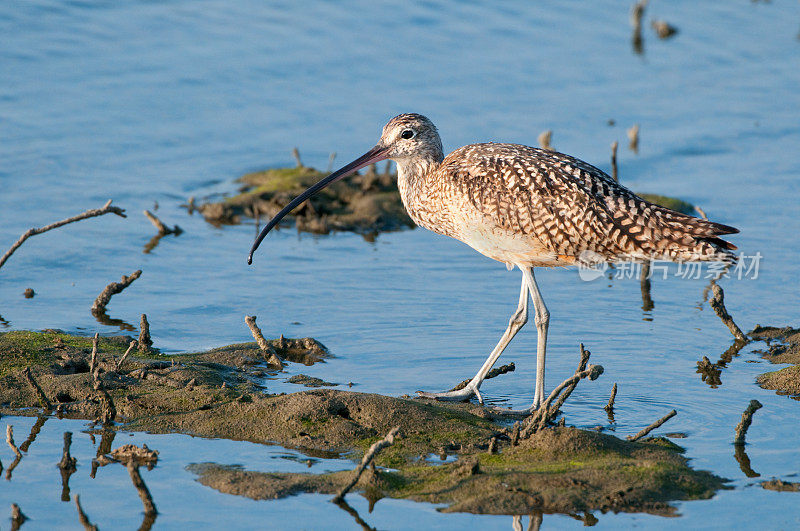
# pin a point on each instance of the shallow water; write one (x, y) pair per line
(149, 102)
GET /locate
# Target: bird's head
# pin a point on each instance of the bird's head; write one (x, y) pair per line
(411, 136)
(406, 137)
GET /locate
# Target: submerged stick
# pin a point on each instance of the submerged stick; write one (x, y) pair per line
(158, 224)
(373, 450)
(112, 289)
(744, 424)
(106, 209)
(17, 517)
(633, 136)
(652, 426)
(717, 302)
(43, 401)
(544, 139)
(125, 356)
(610, 406)
(144, 335)
(272, 357)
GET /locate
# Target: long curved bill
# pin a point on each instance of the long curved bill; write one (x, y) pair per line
(372, 156)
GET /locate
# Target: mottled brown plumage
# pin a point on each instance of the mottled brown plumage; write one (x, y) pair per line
(526, 207)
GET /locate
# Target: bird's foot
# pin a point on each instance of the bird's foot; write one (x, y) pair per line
(461, 395)
(516, 413)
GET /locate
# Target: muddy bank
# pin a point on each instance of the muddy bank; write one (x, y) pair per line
(367, 203)
(782, 346)
(215, 394)
(560, 469)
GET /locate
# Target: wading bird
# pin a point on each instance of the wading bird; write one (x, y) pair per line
(525, 207)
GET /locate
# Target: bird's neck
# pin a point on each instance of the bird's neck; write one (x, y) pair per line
(413, 172)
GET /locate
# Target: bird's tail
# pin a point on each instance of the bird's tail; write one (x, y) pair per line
(693, 239)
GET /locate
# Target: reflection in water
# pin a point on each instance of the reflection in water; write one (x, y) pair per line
(744, 461)
(132, 457)
(4, 323)
(352, 512)
(34, 432)
(644, 281)
(534, 522)
(711, 373)
(103, 318)
(67, 465)
(17, 453)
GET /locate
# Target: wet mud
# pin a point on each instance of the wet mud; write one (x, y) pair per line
(215, 394)
(366, 203)
(782, 346)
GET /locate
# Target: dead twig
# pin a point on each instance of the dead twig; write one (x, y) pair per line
(663, 29)
(17, 517)
(296, 155)
(585, 354)
(82, 518)
(652, 426)
(106, 209)
(539, 418)
(112, 289)
(701, 212)
(544, 139)
(272, 356)
(125, 356)
(633, 136)
(637, 13)
(93, 359)
(717, 302)
(373, 450)
(144, 335)
(491, 374)
(43, 401)
(610, 406)
(744, 424)
(158, 224)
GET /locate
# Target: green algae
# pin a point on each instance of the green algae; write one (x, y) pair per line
(211, 394)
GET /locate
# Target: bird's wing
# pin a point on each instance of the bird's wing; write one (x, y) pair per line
(569, 205)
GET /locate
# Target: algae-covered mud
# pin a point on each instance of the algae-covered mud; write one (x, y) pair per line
(367, 203)
(215, 394)
(782, 347)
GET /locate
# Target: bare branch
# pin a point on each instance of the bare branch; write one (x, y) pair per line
(43, 401)
(158, 224)
(144, 335)
(373, 450)
(652, 426)
(610, 406)
(744, 424)
(107, 209)
(102, 300)
(125, 356)
(717, 302)
(272, 356)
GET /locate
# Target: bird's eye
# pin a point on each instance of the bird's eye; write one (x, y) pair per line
(408, 133)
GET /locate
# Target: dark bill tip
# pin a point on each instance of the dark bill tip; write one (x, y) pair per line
(375, 154)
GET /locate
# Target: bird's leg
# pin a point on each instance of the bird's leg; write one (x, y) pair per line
(542, 320)
(516, 322)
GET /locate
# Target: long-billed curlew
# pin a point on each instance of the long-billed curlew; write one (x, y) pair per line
(525, 207)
